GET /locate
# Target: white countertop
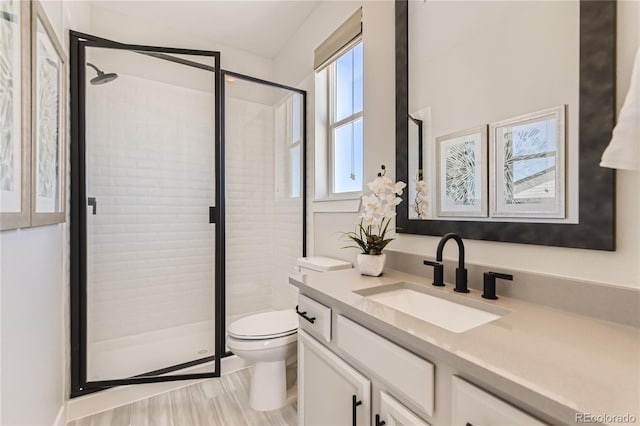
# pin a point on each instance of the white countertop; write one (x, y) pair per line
(583, 364)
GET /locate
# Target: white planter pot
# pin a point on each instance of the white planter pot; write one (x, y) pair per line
(371, 265)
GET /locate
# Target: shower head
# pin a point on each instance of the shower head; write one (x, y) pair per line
(101, 78)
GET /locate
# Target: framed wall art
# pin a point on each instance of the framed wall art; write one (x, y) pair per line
(527, 158)
(14, 114)
(48, 118)
(461, 173)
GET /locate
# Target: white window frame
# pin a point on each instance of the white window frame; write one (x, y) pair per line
(333, 125)
(285, 146)
(292, 144)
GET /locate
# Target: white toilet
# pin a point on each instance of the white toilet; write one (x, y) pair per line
(270, 338)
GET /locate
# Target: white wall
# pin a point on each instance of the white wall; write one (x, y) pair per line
(34, 293)
(294, 64)
(32, 335)
(135, 30)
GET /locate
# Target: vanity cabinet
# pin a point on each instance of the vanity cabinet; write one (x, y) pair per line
(353, 376)
(471, 405)
(405, 374)
(330, 391)
(393, 413)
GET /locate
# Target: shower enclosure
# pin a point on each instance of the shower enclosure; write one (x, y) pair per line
(187, 208)
(265, 234)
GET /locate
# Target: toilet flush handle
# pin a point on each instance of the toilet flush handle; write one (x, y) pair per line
(304, 315)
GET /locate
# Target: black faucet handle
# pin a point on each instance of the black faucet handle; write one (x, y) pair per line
(490, 283)
(501, 275)
(438, 272)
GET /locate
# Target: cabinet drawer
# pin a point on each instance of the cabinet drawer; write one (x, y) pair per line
(472, 405)
(314, 318)
(408, 375)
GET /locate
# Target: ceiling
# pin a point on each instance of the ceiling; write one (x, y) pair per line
(261, 27)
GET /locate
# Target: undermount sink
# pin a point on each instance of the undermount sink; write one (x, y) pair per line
(434, 307)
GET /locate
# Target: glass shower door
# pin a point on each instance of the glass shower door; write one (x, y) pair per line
(152, 233)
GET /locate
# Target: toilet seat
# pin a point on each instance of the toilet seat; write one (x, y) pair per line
(266, 325)
(235, 344)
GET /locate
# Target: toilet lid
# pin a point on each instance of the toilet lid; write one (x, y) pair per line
(266, 325)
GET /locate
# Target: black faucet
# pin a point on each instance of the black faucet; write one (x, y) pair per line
(461, 271)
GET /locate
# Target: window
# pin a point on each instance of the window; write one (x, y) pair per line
(345, 121)
(294, 147)
(338, 130)
(288, 134)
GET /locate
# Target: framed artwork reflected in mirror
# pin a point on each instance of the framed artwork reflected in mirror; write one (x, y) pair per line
(14, 109)
(48, 118)
(527, 165)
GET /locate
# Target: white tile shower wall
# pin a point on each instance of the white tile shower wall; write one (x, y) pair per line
(287, 241)
(263, 230)
(150, 154)
(249, 205)
(287, 217)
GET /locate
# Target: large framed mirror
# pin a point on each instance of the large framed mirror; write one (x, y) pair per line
(503, 110)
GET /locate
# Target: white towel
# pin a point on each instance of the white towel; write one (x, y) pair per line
(623, 150)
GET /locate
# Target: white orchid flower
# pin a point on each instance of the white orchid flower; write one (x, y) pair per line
(377, 210)
(398, 187)
(387, 182)
(376, 185)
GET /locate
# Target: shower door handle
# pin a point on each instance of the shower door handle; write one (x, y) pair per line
(92, 202)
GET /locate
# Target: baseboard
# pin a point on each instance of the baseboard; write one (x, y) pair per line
(61, 418)
(122, 395)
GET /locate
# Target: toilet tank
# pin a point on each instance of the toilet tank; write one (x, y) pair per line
(322, 264)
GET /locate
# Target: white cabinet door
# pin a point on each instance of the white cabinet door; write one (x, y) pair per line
(393, 413)
(471, 405)
(330, 392)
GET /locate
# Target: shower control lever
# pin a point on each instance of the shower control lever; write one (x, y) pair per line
(304, 315)
(92, 202)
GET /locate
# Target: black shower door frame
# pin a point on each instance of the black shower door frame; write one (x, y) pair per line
(78, 224)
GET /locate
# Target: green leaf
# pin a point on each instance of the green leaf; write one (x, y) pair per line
(384, 243)
(385, 229)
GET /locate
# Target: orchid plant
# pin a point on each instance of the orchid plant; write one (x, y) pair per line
(421, 202)
(377, 211)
